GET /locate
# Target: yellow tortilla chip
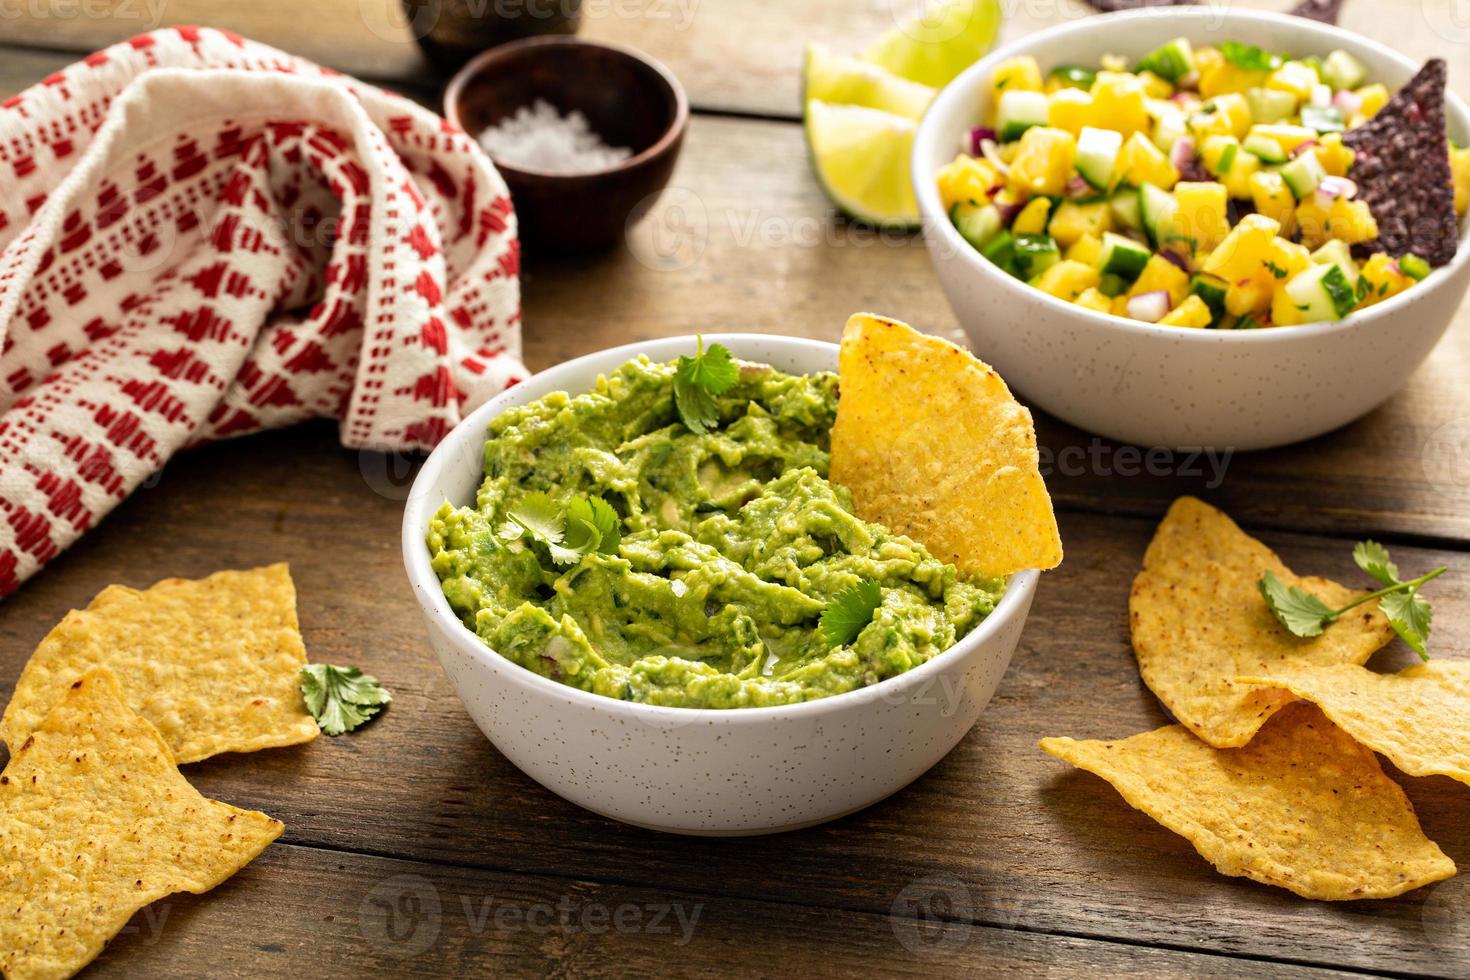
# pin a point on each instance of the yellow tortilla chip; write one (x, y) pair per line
(1198, 622)
(213, 663)
(1303, 806)
(95, 823)
(932, 445)
(1419, 717)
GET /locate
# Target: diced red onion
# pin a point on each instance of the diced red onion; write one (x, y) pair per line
(1308, 145)
(1172, 256)
(991, 152)
(1349, 102)
(1149, 307)
(1077, 187)
(1331, 188)
(1188, 81)
(979, 135)
(1008, 212)
(1181, 154)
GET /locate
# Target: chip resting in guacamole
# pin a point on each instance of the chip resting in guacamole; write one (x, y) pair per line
(614, 548)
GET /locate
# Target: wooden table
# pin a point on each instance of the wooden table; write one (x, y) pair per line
(413, 847)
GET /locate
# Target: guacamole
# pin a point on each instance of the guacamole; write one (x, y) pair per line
(732, 544)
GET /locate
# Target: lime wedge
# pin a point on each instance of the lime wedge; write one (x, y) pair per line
(861, 156)
(845, 80)
(939, 42)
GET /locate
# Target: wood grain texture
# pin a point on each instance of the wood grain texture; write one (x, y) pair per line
(1035, 845)
(732, 55)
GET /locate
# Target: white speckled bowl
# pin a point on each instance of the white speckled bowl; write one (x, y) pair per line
(1166, 386)
(686, 770)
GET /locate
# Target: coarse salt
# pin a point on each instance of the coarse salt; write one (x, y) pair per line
(538, 137)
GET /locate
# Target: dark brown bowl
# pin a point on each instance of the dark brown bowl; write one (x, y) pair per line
(451, 32)
(629, 100)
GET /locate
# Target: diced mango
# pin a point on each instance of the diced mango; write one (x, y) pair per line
(1460, 165)
(1094, 300)
(1160, 273)
(1119, 103)
(1222, 78)
(1335, 156)
(1274, 199)
(1032, 219)
(1296, 77)
(1140, 160)
(1286, 135)
(1154, 86)
(1371, 98)
(1191, 313)
(1069, 109)
(1020, 74)
(1072, 220)
(1067, 279)
(1285, 259)
(1284, 311)
(1207, 123)
(1120, 304)
(966, 178)
(1237, 180)
(1199, 222)
(1044, 159)
(1233, 107)
(1086, 249)
(1348, 221)
(1239, 260)
(1382, 279)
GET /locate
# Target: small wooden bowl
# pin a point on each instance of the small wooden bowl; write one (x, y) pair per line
(629, 100)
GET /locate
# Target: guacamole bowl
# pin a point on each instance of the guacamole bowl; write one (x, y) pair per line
(705, 771)
(1158, 385)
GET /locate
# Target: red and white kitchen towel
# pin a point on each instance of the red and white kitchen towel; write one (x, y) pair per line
(201, 236)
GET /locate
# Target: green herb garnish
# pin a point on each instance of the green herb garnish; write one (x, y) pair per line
(592, 525)
(341, 698)
(1303, 614)
(588, 524)
(697, 380)
(1249, 56)
(850, 611)
(1275, 269)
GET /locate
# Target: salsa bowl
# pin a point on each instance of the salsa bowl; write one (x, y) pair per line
(1171, 386)
(715, 772)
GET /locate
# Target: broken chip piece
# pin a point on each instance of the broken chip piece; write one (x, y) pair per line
(1198, 622)
(95, 823)
(1419, 718)
(1302, 807)
(213, 663)
(932, 445)
(1402, 169)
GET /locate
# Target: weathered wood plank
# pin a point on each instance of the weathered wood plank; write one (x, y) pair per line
(1025, 836)
(302, 910)
(732, 55)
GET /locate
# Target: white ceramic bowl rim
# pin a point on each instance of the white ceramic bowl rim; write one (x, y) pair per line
(420, 507)
(1457, 117)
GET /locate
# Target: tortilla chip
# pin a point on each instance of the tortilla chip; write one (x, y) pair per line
(1401, 164)
(1303, 806)
(1198, 622)
(95, 823)
(214, 664)
(1419, 717)
(933, 446)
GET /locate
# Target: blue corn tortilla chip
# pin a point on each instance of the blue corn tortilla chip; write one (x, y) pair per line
(1326, 11)
(1402, 168)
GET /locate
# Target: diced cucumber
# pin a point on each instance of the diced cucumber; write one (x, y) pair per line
(1097, 153)
(1111, 285)
(1336, 252)
(1018, 112)
(1321, 96)
(1002, 251)
(1264, 147)
(976, 223)
(1303, 174)
(1035, 254)
(1269, 105)
(1211, 289)
(1074, 76)
(1342, 70)
(1313, 62)
(1122, 257)
(1413, 266)
(1124, 203)
(1170, 62)
(1169, 121)
(1322, 292)
(1324, 119)
(1155, 207)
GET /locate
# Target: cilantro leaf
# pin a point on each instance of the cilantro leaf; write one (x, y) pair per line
(849, 611)
(592, 525)
(1372, 558)
(341, 698)
(1249, 56)
(1409, 614)
(1298, 610)
(697, 380)
(539, 515)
